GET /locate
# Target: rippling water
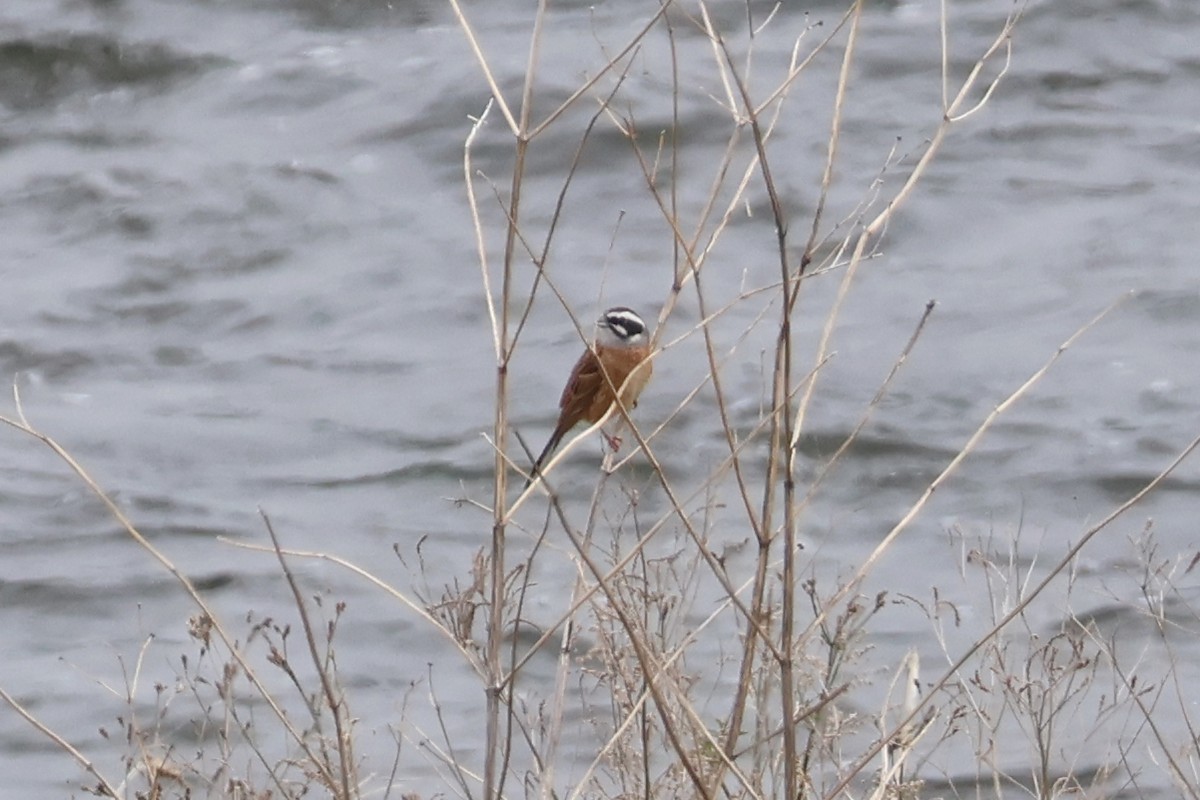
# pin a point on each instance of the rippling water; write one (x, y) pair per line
(239, 271)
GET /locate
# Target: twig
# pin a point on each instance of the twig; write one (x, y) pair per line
(335, 703)
(102, 782)
(1013, 614)
(185, 582)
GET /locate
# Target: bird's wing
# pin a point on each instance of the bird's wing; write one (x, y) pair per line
(586, 378)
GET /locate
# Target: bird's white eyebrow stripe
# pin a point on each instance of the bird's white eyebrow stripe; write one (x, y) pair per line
(625, 316)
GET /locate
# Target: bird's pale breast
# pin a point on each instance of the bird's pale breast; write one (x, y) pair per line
(620, 363)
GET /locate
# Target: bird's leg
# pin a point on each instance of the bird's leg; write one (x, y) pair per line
(613, 440)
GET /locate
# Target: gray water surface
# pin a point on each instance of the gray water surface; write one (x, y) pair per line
(238, 271)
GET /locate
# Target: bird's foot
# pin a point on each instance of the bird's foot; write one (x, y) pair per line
(614, 442)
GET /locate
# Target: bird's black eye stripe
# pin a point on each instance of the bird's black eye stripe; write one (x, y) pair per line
(624, 323)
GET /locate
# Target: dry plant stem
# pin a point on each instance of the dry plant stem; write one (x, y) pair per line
(944, 33)
(451, 758)
(332, 698)
(653, 672)
(443, 761)
(506, 340)
(707, 26)
(759, 528)
(870, 410)
(731, 593)
(473, 41)
(1017, 610)
(1020, 607)
(189, 588)
(506, 348)
(1179, 692)
(634, 41)
(131, 685)
(540, 259)
(717, 571)
(839, 101)
(793, 764)
(493, 772)
(639, 704)
(826, 698)
(915, 510)
(781, 437)
(677, 508)
(1109, 648)
(578, 601)
(102, 783)
(677, 265)
(781, 421)
(480, 241)
(881, 220)
(795, 69)
(500, 489)
(1167, 749)
(522, 593)
(640, 649)
(412, 606)
(726, 68)
(968, 448)
(234, 722)
(671, 218)
(689, 246)
(893, 757)
(391, 781)
(643, 716)
(733, 726)
(714, 371)
(557, 701)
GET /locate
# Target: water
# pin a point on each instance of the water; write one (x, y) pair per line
(239, 273)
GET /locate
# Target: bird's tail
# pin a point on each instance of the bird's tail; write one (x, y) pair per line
(555, 438)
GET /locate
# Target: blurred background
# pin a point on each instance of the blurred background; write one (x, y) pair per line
(238, 271)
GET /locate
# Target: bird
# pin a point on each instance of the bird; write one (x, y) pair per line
(621, 351)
